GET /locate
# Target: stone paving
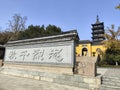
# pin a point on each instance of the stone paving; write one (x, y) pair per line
(112, 72)
(101, 71)
(8, 82)
(109, 71)
(111, 79)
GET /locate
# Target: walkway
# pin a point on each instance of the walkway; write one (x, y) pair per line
(111, 79)
(113, 72)
(8, 82)
(109, 71)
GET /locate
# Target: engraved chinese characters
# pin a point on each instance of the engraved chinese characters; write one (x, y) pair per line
(38, 54)
(44, 54)
(12, 55)
(24, 54)
(55, 54)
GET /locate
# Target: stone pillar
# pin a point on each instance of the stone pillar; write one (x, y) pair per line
(1, 62)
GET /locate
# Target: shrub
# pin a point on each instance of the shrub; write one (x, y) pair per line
(111, 56)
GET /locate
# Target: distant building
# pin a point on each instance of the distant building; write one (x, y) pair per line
(98, 31)
(94, 47)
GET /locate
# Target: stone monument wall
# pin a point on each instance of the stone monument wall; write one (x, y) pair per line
(50, 51)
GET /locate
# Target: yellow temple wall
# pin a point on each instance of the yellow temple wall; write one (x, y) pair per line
(91, 49)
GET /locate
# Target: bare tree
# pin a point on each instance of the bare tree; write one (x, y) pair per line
(17, 24)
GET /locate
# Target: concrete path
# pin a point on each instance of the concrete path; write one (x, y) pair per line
(101, 71)
(8, 82)
(109, 71)
(113, 72)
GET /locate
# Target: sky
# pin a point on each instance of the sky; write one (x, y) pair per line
(66, 14)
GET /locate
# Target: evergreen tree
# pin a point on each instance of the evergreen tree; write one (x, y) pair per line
(5, 36)
(52, 29)
(37, 31)
(112, 43)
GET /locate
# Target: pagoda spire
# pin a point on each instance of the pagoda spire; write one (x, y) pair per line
(97, 31)
(97, 20)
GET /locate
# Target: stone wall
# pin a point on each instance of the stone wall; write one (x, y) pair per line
(49, 51)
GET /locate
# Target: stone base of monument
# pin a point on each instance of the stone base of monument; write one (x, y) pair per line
(53, 74)
(42, 68)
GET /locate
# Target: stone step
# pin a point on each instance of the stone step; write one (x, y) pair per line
(111, 80)
(111, 77)
(70, 80)
(111, 83)
(75, 78)
(71, 83)
(104, 87)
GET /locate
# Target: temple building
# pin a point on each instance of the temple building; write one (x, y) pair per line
(94, 47)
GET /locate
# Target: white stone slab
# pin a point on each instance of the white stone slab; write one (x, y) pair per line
(59, 54)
